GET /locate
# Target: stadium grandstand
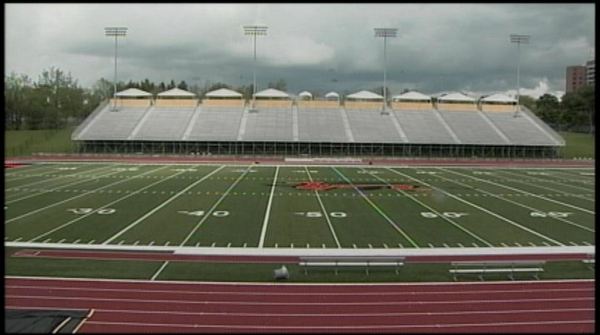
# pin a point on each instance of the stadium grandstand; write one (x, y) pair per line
(275, 123)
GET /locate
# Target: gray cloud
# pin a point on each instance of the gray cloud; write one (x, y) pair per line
(311, 46)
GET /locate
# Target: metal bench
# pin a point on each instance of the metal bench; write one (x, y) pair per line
(496, 267)
(351, 261)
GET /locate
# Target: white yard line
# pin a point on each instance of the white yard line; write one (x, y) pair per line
(544, 180)
(59, 187)
(463, 229)
(104, 206)
(57, 177)
(481, 209)
(337, 242)
(525, 192)
(159, 270)
(155, 209)
(263, 232)
(83, 194)
(378, 210)
(549, 188)
(516, 203)
(208, 213)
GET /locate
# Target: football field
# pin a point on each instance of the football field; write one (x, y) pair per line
(264, 206)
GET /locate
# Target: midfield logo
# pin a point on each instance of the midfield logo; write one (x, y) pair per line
(323, 186)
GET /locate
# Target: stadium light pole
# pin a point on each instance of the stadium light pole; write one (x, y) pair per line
(254, 31)
(519, 39)
(115, 32)
(385, 33)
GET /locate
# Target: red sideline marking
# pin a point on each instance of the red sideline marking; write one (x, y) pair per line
(145, 306)
(167, 256)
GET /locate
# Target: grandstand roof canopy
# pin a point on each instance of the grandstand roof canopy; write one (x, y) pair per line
(176, 92)
(133, 92)
(305, 94)
(271, 93)
(365, 95)
(412, 96)
(223, 93)
(499, 97)
(332, 95)
(456, 97)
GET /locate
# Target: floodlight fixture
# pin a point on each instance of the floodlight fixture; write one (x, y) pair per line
(385, 33)
(519, 39)
(255, 30)
(115, 32)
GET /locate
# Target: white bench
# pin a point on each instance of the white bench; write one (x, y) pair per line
(497, 267)
(351, 261)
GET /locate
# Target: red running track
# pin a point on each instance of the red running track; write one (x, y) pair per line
(147, 306)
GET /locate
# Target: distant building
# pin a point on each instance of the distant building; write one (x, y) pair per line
(576, 78)
(580, 75)
(590, 72)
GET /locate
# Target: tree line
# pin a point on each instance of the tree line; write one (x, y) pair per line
(56, 100)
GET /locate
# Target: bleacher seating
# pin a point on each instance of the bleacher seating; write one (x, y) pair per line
(370, 125)
(519, 128)
(422, 126)
(301, 124)
(109, 125)
(471, 128)
(321, 125)
(216, 124)
(164, 123)
(269, 124)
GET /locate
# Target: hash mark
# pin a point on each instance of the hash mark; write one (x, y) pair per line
(244, 245)
(430, 245)
(122, 241)
(92, 241)
(354, 246)
(504, 244)
(546, 244)
(151, 243)
(460, 245)
(61, 241)
(400, 245)
(228, 244)
(77, 240)
(276, 246)
(292, 245)
(385, 246)
(213, 244)
(18, 239)
(323, 246)
(475, 245)
(532, 244)
(197, 244)
(47, 240)
(370, 246)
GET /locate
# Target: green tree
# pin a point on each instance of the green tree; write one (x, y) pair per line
(183, 85)
(16, 89)
(547, 108)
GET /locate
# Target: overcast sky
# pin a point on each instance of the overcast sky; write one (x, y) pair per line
(440, 47)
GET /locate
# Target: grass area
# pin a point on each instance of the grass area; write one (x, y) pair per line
(197, 271)
(578, 145)
(27, 142)
(238, 206)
